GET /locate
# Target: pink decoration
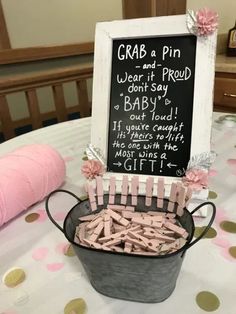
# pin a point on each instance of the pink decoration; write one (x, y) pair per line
(220, 215)
(225, 253)
(40, 253)
(27, 175)
(222, 242)
(54, 267)
(68, 158)
(207, 21)
(92, 168)
(62, 248)
(42, 215)
(231, 162)
(212, 173)
(234, 173)
(196, 179)
(60, 216)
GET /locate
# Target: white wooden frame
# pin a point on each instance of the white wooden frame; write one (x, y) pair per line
(203, 82)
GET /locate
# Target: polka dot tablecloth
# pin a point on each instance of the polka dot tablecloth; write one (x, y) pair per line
(40, 273)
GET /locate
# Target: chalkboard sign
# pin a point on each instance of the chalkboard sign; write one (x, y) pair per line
(151, 105)
(152, 96)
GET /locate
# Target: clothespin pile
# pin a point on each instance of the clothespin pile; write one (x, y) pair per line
(119, 228)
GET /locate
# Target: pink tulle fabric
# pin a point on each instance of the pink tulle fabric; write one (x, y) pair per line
(92, 168)
(197, 179)
(207, 21)
(27, 175)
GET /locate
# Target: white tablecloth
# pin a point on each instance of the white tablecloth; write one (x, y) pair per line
(55, 277)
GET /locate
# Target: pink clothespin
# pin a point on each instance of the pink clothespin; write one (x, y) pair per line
(181, 201)
(146, 222)
(128, 247)
(173, 197)
(135, 242)
(163, 237)
(134, 190)
(113, 242)
(81, 232)
(149, 191)
(115, 248)
(121, 220)
(179, 230)
(160, 192)
(188, 196)
(118, 208)
(125, 190)
(144, 253)
(92, 198)
(87, 217)
(92, 244)
(94, 223)
(129, 208)
(128, 214)
(96, 232)
(112, 190)
(107, 225)
(118, 228)
(99, 187)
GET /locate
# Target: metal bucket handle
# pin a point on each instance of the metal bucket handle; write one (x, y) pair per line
(209, 223)
(47, 207)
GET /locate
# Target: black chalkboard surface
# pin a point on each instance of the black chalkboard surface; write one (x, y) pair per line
(151, 105)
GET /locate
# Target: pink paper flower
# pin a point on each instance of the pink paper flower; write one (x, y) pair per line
(197, 179)
(207, 21)
(92, 168)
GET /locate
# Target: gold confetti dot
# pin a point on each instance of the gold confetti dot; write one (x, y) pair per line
(83, 197)
(211, 233)
(207, 301)
(14, 277)
(32, 217)
(232, 251)
(212, 195)
(76, 306)
(70, 251)
(228, 226)
(85, 158)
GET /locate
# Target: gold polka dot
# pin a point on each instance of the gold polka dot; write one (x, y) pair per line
(207, 301)
(85, 158)
(228, 226)
(212, 195)
(232, 251)
(32, 217)
(76, 306)
(14, 277)
(211, 233)
(83, 197)
(70, 251)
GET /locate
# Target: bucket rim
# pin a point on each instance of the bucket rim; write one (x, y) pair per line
(182, 249)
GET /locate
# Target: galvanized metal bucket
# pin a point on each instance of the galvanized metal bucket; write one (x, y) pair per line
(125, 276)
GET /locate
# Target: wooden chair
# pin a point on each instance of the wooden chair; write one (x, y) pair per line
(29, 83)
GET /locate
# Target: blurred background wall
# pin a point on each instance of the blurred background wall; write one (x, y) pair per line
(33, 23)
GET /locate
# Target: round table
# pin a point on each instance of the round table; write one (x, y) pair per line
(55, 281)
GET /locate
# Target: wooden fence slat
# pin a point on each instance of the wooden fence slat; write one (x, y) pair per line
(5, 117)
(59, 100)
(4, 37)
(84, 105)
(33, 105)
(28, 83)
(22, 82)
(16, 55)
